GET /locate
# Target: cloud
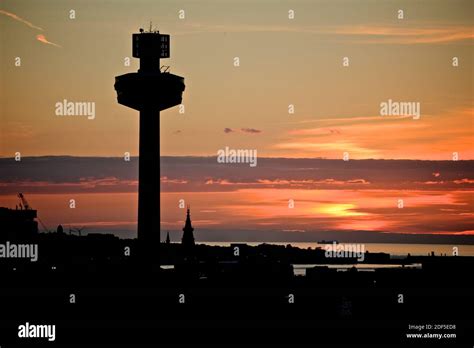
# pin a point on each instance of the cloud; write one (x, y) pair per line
(368, 34)
(55, 175)
(88, 184)
(42, 38)
(243, 130)
(251, 130)
(21, 20)
(39, 37)
(218, 182)
(376, 34)
(366, 137)
(288, 183)
(166, 180)
(464, 181)
(335, 148)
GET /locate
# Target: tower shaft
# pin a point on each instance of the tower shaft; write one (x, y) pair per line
(149, 177)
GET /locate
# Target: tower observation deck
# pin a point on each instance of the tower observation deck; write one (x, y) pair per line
(149, 91)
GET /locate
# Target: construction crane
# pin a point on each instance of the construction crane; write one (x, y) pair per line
(24, 202)
(26, 206)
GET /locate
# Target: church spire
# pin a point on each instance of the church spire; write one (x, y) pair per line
(188, 237)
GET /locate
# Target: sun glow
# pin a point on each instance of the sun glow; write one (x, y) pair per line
(341, 210)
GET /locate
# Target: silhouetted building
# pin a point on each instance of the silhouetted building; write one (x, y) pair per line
(168, 238)
(18, 223)
(188, 237)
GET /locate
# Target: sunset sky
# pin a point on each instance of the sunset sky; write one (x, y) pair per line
(282, 61)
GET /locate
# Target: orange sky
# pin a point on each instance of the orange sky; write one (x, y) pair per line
(267, 209)
(282, 61)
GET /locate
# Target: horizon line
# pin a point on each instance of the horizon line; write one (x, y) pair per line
(263, 157)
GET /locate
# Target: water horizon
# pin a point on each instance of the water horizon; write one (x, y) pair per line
(394, 249)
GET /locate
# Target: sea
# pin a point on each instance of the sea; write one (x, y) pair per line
(395, 250)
